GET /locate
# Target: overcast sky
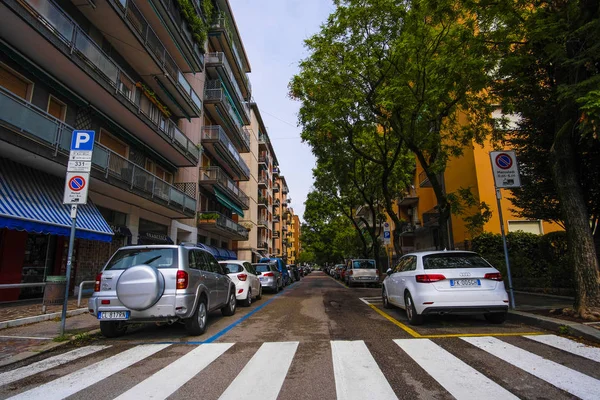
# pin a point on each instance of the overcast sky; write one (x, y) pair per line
(273, 33)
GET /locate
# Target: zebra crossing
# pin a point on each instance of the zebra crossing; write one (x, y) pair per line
(356, 369)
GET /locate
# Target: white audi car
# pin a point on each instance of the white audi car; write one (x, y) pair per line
(445, 282)
(245, 278)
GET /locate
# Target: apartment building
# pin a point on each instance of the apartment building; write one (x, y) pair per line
(293, 236)
(173, 122)
(280, 216)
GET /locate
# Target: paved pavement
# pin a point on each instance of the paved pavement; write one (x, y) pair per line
(315, 340)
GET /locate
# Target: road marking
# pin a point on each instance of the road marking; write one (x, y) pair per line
(394, 321)
(166, 381)
(85, 377)
(357, 375)
(26, 337)
(570, 346)
(272, 359)
(564, 378)
(457, 377)
(44, 365)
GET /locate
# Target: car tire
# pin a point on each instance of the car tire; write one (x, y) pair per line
(248, 301)
(384, 299)
(495, 318)
(229, 309)
(112, 329)
(413, 317)
(259, 295)
(196, 324)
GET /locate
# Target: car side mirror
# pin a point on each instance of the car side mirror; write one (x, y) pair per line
(389, 271)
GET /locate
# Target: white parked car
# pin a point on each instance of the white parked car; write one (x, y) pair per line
(445, 282)
(244, 276)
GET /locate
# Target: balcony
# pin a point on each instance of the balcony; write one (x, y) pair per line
(276, 188)
(214, 176)
(262, 246)
(216, 142)
(175, 33)
(263, 139)
(217, 67)
(223, 111)
(285, 190)
(264, 160)
(276, 218)
(221, 38)
(276, 235)
(409, 198)
(123, 24)
(108, 167)
(263, 223)
(424, 180)
(215, 222)
(263, 181)
(276, 171)
(262, 201)
(61, 47)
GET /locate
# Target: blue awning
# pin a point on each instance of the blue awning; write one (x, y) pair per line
(232, 255)
(223, 254)
(210, 249)
(223, 199)
(31, 200)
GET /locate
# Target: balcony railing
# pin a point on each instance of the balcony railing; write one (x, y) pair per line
(263, 245)
(275, 171)
(56, 134)
(263, 222)
(217, 175)
(219, 58)
(62, 26)
(262, 201)
(135, 17)
(223, 222)
(216, 133)
(263, 180)
(215, 91)
(223, 23)
(262, 138)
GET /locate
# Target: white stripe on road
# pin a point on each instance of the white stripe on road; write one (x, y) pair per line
(570, 346)
(564, 378)
(269, 366)
(166, 381)
(83, 378)
(26, 337)
(41, 366)
(357, 375)
(457, 377)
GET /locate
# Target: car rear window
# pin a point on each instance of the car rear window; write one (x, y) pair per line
(454, 260)
(363, 264)
(262, 267)
(232, 268)
(158, 258)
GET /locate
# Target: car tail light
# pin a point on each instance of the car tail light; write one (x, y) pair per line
(105, 302)
(429, 278)
(268, 274)
(494, 276)
(182, 280)
(377, 272)
(97, 283)
(242, 277)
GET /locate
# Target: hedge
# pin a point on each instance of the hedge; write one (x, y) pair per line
(537, 262)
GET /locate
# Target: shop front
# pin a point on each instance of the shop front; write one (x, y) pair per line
(34, 229)
(151, 232)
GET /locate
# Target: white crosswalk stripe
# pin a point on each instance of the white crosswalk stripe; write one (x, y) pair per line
(571, 381)
(166, 381)
(357, 375)
(44, 365)
(458, 378)
(79, 380)
(275, 358)
(571, 346)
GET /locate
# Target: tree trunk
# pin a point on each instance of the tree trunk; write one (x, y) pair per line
(582, 252)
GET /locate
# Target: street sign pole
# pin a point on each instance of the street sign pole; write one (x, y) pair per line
(63, 318)
(510, 286)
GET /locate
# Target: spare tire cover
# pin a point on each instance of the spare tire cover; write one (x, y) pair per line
(140, 287)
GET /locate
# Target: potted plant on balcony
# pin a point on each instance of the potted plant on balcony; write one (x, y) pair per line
(207, 217)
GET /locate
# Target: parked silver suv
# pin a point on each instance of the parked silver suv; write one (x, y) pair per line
(160, 284)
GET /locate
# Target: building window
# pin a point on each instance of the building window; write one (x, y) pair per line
(15, 83)
(164, 175)
(534, 227)
(57, 108)
(108, 140)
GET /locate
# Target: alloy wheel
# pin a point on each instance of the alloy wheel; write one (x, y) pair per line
(409, 307)
(202, 315)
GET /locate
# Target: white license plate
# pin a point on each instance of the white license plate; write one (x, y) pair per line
(113, 315)
(464, 282)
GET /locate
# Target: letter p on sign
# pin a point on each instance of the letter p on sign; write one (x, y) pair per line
(82, 140)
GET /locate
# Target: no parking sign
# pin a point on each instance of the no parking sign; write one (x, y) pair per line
(506, 171)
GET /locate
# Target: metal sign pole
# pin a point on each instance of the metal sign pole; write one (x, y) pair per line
(510, 286)
(63, 318)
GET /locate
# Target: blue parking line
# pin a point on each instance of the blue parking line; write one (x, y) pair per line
(234, 324)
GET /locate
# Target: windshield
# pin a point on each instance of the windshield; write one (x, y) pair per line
(364, 264)
(232, 268)
(454, 260)
(158, 258)
(262, 267)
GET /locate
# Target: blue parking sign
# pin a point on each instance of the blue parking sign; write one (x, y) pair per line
(386, 234)
(83, 140)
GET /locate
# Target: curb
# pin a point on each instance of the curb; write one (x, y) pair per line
(45, 348)
(39, 318)
(557, 325)
(552, 296)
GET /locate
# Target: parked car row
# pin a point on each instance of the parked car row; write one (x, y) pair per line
(169, 283)
(355, 272)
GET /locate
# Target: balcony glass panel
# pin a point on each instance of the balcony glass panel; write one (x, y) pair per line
(216, 174)
(219, 58)
(92, 52)
(215, 132)
(55, 17)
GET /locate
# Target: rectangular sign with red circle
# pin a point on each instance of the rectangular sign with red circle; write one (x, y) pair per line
(76, 188)
(505, 169)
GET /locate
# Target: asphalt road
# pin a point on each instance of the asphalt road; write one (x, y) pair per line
(316, 340)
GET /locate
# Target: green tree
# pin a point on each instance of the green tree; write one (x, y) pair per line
(390, 76)
(548, 73)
